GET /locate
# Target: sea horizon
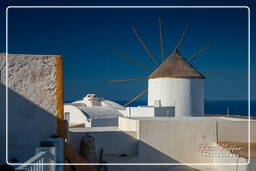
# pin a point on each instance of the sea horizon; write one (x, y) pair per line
(221, 107)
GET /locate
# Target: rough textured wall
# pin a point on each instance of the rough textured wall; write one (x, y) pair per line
(32, 103)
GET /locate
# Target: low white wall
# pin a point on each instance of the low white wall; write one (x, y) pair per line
(128, 124)
(162, 140)
(143, 111)
(149, 111)
(236, 131)
(239, 164)
(175, 140)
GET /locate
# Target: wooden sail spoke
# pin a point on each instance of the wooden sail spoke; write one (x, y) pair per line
(192, 57)
(135, 98)
(143, 44)
(182, 36)
(132, 79)
(130, 59)
(161, 37)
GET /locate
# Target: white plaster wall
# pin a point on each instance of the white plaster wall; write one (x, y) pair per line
(123, 112)
(76, 116)
(163, 140)
(154, 141)
(187, 95)
(32, 103)
(128, 124)
(239, 163)
(237, 131)
(142, 111)
(173, 141)
(149, 111)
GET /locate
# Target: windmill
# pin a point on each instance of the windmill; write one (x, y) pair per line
(174, 82)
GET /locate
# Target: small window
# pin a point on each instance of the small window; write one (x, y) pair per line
(67, 116)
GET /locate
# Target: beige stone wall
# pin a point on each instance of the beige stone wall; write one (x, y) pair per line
(32, 103)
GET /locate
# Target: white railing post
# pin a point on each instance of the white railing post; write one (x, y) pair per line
(32, 163)
(46, 156)
(59, 151)
(50, 158)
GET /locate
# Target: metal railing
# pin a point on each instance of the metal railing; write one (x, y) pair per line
(35, 163)
(49, 153)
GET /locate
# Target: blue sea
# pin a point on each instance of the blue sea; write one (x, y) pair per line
(222, 107)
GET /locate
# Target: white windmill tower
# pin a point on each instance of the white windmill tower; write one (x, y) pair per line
(175, 82)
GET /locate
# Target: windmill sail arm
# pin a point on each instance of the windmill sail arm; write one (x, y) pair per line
(131, 60)
(182, 36)
(192, 57)
(132, 79)
(143, 44)
(161, 37)
(135, 98)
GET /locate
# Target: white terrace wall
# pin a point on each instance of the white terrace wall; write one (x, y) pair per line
(174, 140)
(165, 140)
(230, 131)
(32, 103)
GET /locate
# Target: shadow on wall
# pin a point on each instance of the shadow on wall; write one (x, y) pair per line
(28, 125)
(124, 147)
(149, 154)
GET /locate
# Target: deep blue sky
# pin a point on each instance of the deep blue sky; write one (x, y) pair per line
(85, 36)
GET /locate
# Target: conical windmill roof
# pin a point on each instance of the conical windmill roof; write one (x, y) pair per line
(175, 66)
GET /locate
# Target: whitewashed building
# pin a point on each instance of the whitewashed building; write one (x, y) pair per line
(176, 83)
(92, 112)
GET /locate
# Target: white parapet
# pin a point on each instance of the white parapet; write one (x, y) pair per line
(125, 124)
(149, 111)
